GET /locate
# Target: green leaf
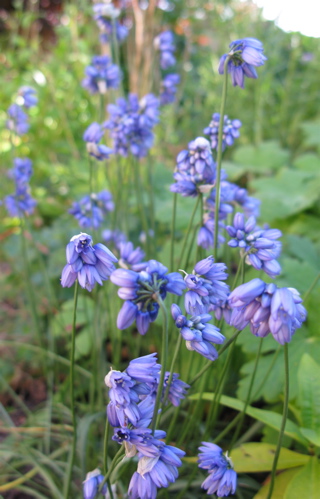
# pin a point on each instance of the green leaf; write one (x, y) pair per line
(62, 322)
(281, 483)
(306, 483)
(265, 157)
(303, 249)
(311, 130)
(83, 343)
(308, 162)
(312, 435)
(267, 417)
(256, 457)
(309, 395)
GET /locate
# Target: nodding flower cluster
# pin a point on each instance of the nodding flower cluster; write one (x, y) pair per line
(230, 131)
(244, 56)
(259, 245)
(101, 75)
(92, 136)
(18, 120)
(142, 291)
(91, 210)
(267, 309)
(87, 263)
(105, 15)
(222, 479)
(20, 203)
(166, 46)
(130, 410)
(195, 170)
(131, 124)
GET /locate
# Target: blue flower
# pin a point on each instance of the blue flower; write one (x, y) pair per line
(114, 236)
(22, 171)
(259, 245)
(165, 44)
(21, 202)
(230, 131)
(101, 75)
(18, 120)
(92, 483)
(93, 133)
(139, 440)
(29, 96)
(140, 291)
(130, 257)
(168, 88)
(222, 479)
(90, 211)
(105, 16)
(87, 263)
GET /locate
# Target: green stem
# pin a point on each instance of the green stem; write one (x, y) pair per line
(188, 231)
(105, 447)
(112, 466)
(219, 157)
(171, 368)
(284, 419)
(313, 285)
(164, 357)
(139, 194)
(72, 397)
(191, 246)
(173, 228)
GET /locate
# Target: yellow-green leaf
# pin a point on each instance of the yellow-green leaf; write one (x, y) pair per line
(306, 483)
(281, 483)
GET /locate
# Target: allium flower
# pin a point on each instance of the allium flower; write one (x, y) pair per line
(230, 131)
(130, 257)
(92, 483)
(199, 335)
(266, 309)
(18, 120)
(168, 88)
(140, 290)
(222, 479)
(260, 245)
(244, 55)
(29, 96)
(114, 236)
(153, 473)
(21, 202)
(205, 286)
(87, 263)
(105, 15)
(165, 44)
(195, 169)
(90, 211)
(101, 75)
(22, 171)
(205, 237)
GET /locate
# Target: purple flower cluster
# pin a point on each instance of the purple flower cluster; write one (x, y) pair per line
(168, 88)
(92, 483)
(87, 263)
(259, 245)
(101, 75)
(230, 131)
(130, 411)
(28, 96)
(21, 202)
(141, 292)
(131, 124)
(166, 46)
(18, 120)
(91, 210)
(195, 170)
(131, 257)
(206, 291)
(105, 16)
(244, 56)
(92, 137)
(222, 479)
(267, 309)
(198, 334)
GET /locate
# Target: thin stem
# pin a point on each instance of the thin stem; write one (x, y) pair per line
(112, 466)
(188, 232)
(139, 194)
(73, 413)
(173, 228)
(105, 447)
(284, 419)
(171, 368)
(313, 285)
(219, 157)
(164, 357)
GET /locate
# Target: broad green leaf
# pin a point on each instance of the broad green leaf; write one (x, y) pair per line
(267, 417)
(62, 322)
(312, 435)
(256, 457)
(308, 162)
(265, 157)
(309, 393)
(303, 249)
(281, 483)
(83, 343)
(306, 483)
(311, 130)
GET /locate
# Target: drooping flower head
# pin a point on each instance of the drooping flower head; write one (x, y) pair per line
(230, 131)
(87, 263)
(222, 479)
(168, 88)
(244, 56)
(92, 483)
(20, 203)
(91, 210)
(141, 290)
(130, 257)
(101, 75)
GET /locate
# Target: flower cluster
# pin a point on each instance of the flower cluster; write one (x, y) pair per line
(222, 479)
(92, 137)
(142, 291)
(28, 96)
(230, 131)
(166, 46)
(101, 75)
(259, 245)
(198, 334)
(131, 257)
(244, 56)
(105, 15)
(206, 291)
(195, 169)
(87, 263)
(131, 124)
(267, 309)
(91, 210)
(21, 202)
(168, 88)
(18, 120)
(130, 410)
(92, 483)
